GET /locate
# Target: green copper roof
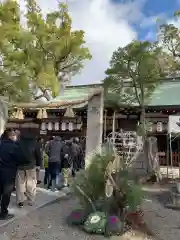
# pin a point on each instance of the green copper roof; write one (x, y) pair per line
(76, 92)
(166, 94)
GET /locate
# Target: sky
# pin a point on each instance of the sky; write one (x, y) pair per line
(109, 24)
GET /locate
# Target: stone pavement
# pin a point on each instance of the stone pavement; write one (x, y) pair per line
(163, 222)
(44, 197)
(49, 223)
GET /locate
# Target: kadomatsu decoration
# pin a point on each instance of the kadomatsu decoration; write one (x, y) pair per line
(106, 190)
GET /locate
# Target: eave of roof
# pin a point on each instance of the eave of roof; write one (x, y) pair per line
(62, 103)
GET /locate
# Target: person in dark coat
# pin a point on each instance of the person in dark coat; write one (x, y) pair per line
(30, 153)
(53, 150)
(9, 162)
(67, 161)
(78, 156)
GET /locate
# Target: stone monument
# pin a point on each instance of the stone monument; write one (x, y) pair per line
(94, 124)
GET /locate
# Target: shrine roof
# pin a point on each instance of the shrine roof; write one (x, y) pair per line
(166, 94)
(76, 96)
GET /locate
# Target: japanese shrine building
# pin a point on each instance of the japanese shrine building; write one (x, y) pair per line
(66, 115)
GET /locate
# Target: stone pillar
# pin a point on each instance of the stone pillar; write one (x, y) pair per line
(94, 124)
(3, 113)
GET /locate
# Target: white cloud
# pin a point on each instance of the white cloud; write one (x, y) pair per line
(152, 20)
(175, 22)
(106, 26)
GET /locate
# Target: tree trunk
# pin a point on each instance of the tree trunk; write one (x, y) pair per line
(144, 138)
(153, 157)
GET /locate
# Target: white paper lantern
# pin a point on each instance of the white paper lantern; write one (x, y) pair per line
(63, 126)
(79, 125)
(150, 127)
(50, 126)
(56, 126)
(43, 126)
(70, 126)
(159, 127)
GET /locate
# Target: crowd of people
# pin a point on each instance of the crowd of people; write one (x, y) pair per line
(21, 158)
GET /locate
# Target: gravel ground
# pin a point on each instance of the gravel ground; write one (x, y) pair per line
(48, 223)
(164, 222)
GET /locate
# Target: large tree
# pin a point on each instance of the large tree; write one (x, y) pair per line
(169, 39)
(37, 50)
(132, 76)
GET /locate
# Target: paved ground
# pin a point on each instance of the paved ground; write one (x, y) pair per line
(49, 223)
(44, 197)
(165, 223)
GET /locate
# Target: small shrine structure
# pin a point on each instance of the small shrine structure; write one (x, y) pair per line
(76, 113)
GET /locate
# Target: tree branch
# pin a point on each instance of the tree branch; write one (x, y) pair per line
(133, 81)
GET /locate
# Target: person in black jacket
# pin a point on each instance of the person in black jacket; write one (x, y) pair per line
(9, 161)
(30, 153)
(78, 156)
(67, 161)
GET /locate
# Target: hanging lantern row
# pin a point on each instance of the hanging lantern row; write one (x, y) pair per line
(60, 126)
(157, 127)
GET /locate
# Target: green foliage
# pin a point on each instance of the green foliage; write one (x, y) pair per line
(92, 182)
(134, 71)
(132, 193)
(37, 49)
(134, 196)
(170, 41)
